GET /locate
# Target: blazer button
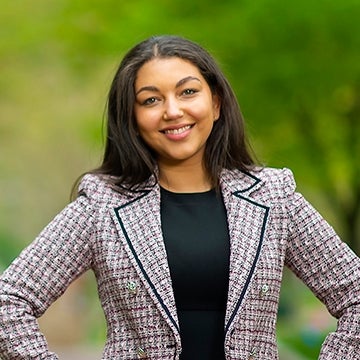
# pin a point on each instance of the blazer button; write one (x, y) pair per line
(252, 355)
(141, 353)
(132, 287)
(264, 289)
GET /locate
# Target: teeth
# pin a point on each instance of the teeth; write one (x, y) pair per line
(177, 131)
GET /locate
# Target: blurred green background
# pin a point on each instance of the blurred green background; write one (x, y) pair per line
(295, 67)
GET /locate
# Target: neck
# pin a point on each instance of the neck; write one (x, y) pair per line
(184, 179)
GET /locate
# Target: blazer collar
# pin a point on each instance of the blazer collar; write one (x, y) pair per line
(239, 181)
(247, 220)
(139, 224)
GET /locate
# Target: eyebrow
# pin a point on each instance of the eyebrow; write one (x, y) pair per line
(178, 84)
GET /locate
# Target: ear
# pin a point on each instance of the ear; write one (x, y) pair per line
(216, 106)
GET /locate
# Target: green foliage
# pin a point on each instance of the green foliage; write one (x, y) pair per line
(9, 249)
(307, 342)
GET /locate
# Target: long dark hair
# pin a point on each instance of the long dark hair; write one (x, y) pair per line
(127, 158)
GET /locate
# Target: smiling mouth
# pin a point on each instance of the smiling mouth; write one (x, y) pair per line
(177, 131)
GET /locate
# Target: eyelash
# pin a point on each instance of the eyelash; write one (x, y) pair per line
(149, 101)
(153, 99)
(192, 91)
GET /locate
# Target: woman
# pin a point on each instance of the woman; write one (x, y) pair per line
(186, 236)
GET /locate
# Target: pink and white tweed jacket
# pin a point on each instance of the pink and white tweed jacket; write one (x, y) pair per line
(118, 236)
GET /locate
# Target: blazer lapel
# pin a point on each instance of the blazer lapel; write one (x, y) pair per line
(246, 221)
(140, 229)
(139, 224)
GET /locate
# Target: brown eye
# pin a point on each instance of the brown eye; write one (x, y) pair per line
(149, 101)
(189, 91)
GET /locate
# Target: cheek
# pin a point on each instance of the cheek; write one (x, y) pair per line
(148, 130)
(145, 122)
(145, 134)
(199, 110)
(205, 114)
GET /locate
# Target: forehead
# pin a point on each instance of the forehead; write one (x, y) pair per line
(169, 69)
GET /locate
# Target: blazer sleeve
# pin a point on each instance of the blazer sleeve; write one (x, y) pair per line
(329, 268)
(39, 275)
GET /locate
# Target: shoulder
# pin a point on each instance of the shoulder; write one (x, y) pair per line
(274, 183)
(282, 179)
(263, 184)
(276, 188)
(102, 189)
(93, 184)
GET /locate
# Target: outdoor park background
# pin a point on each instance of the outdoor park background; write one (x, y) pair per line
(295, 67)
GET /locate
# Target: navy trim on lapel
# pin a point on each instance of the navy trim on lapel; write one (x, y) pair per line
(266, 208)
(241, 184)
(251, 185)
(138, 261)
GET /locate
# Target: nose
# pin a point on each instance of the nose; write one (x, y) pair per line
(172, 110)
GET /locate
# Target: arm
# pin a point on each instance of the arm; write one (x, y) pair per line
(40, 274)
(331, 270)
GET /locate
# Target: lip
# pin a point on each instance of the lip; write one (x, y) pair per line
(178, 132)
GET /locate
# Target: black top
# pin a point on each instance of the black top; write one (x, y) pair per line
(197, 244)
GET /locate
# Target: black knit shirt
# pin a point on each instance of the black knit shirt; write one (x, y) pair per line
(197, 244)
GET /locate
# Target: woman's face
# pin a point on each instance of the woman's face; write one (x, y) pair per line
(174, 109)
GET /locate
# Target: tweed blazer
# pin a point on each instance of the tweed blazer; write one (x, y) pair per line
(118, 235)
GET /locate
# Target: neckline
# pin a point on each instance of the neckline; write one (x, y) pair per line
(196, 193)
